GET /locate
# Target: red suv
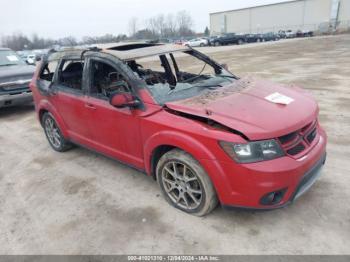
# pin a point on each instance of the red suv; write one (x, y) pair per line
(172, 112)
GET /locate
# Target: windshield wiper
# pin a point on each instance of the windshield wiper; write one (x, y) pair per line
(229, 76)
(7, 64)
(191, 79)
(209, 86)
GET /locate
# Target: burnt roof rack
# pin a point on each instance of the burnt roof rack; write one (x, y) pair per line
(67, 49)
(93, 49)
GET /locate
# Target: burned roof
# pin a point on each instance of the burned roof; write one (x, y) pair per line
(124, 51)
(145, 51)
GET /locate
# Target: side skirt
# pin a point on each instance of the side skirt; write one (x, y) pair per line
(109, 157)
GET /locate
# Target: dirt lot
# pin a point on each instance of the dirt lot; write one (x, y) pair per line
(82, 203)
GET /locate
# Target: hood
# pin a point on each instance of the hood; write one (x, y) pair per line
(243, 106)
(16, 72)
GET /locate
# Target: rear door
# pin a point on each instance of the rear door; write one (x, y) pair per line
(69, 98)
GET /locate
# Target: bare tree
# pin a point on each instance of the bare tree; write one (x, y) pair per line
(17, 41)
(145, 34)
(152, 25)
(185, 23)
(67, 41)
(170, 25)
(160, 24)
(132, 26)
(37, 42)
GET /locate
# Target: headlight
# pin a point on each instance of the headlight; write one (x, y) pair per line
(253, 151)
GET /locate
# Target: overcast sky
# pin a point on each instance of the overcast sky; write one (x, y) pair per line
(97, 17)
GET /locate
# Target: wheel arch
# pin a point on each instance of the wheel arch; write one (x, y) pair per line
(162, 142)
(46, 107)
(157, 153)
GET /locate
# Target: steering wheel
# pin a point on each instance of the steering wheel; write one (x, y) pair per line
(152, 76)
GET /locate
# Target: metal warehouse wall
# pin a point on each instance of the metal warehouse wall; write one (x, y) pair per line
(298, 14)
(344, 11)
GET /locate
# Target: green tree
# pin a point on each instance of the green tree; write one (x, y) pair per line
(206, 31)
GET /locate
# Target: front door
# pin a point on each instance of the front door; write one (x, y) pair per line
(116, 131)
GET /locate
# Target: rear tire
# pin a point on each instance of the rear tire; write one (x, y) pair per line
(185, 184)
(201, 45)
(54, 134)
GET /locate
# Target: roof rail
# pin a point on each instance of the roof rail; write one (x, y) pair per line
(93, 48)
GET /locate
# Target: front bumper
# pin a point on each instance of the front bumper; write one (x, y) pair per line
(16, 99)
(245, 185)
(304, 185)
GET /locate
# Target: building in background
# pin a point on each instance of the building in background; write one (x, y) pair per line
(315, 15)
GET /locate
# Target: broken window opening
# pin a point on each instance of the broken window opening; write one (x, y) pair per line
(106, 80)
(48, 71)
(179, 75)
(71, 74)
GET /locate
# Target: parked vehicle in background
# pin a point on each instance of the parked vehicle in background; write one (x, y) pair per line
(164, 40)
(211, 39)
(290, 34)
(15, 76)
(228, 39)
(304, 33)
(252, 38)
(31, 59)
(282, 34)
(23, 55)
(196, 42)
(204, 134)
(270, 36)
(179, 42)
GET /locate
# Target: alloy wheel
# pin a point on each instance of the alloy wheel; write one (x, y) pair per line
(52, 132)
(182, 185)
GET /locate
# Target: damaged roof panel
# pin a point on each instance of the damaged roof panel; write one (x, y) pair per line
(143, 51)
(125, 51)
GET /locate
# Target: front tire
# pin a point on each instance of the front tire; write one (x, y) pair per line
(185, 184)
(217, 44)
(54, 134)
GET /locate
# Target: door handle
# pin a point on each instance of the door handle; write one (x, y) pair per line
(90, 106)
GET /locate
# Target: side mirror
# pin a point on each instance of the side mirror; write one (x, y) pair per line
(121, 100)
(225, 66)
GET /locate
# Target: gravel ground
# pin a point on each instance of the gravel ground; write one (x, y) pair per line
(82, 203)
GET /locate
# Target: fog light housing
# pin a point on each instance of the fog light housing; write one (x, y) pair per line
(273, 198)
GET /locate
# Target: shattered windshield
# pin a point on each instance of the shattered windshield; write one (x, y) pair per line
(179, 75)
(8, 58)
